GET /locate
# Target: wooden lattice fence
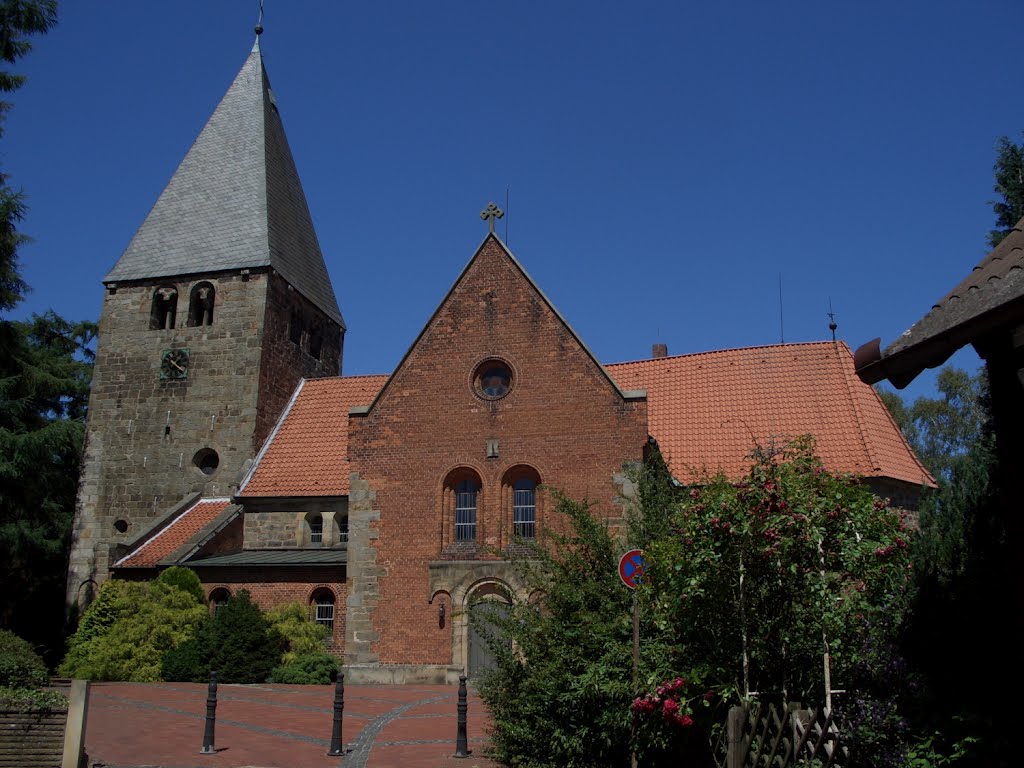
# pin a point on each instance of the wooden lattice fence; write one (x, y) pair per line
(778, 735)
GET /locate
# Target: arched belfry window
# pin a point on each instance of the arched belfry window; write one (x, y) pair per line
(165, 308)
(295, 327)
(200, 305)
(461, 501)
(519, 501)
(316, 340)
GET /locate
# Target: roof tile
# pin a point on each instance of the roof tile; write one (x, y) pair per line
(169, 539)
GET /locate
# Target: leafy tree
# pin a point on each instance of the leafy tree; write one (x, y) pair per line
(1009, 183)
(45, 367)
(184, 579)
(239, 644)
(126, 631)
(19, 19)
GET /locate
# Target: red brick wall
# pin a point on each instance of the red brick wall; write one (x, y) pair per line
(273, 587)
(563, 417)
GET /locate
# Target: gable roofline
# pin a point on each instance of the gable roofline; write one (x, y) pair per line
(990, 298)
(270, 439)
(626, 395)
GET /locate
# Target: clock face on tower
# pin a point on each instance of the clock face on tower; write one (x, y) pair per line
(174, 365)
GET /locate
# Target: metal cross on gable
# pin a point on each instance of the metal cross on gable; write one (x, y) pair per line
(490, 213)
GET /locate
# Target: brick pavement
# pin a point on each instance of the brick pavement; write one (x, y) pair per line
(280, 726)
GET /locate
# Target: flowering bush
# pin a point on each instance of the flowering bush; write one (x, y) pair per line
(668, 700)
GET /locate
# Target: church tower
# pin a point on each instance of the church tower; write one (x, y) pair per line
(219, 305)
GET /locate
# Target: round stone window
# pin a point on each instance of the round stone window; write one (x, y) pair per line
(493, 379)
(206, 460)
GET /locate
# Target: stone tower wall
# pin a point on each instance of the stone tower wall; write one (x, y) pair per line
(144, 432)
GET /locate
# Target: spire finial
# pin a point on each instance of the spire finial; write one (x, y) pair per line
(259, 21)
(490, 213)
(832, 325)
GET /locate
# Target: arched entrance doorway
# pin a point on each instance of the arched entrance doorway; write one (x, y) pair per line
(488, 604)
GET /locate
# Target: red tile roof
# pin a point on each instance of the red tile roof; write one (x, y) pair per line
(706, 410)
(307, 453)
(171, 538)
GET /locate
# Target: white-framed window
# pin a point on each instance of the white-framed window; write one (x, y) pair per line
(323, 608)
(316, 529)
(524, 508)
(465, 510)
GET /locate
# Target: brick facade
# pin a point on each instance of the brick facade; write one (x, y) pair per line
(563, 419)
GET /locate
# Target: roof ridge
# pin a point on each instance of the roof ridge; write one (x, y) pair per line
(787, 344)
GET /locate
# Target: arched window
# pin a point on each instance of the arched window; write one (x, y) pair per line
(218, 599)
(460, 499)
(323, 608)
(465, 509)
(316, 529)
(519, 501)
(165, 308)
(524, 508)
(200, 305)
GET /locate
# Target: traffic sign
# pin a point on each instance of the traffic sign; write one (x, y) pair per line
(631, 568)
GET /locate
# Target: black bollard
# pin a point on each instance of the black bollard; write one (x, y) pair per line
(211, 716)
(461, 749)
(339, 708)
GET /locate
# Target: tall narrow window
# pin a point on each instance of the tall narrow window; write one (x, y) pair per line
(524, 508)
(323, 608)
(164, 311)
(200, 305)
(218, 599)
(316, 340)
(465, 510)
(316, 529)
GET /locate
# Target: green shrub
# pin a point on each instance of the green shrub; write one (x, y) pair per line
(127, 630)
(20, 665)
(28, 700)
(303, 637)
(184, 579)
(239, 644)
(307, 669)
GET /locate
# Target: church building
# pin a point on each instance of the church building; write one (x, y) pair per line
(221, 435)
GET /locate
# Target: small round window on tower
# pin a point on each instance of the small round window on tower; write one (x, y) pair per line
(206, 460)
(493, 379)
(121, 526)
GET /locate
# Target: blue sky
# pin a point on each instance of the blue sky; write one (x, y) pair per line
(665, 163)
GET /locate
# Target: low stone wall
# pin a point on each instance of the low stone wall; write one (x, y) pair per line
(32, 739)
(51, 739)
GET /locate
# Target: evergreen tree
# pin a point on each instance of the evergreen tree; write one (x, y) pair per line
(45, 367)
(18, 20)
(1009, 183)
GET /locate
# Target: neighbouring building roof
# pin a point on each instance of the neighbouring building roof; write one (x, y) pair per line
(990, 297)
(235, 202)
(708, 410)
(307, 455)
(705, 410)
(172, 537)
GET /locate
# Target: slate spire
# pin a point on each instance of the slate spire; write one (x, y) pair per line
(235, 202)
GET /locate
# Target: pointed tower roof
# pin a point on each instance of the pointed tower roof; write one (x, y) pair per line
(235, 202)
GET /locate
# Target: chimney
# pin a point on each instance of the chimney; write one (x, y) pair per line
(659, 350)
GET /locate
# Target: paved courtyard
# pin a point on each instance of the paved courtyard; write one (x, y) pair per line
(280, 726)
